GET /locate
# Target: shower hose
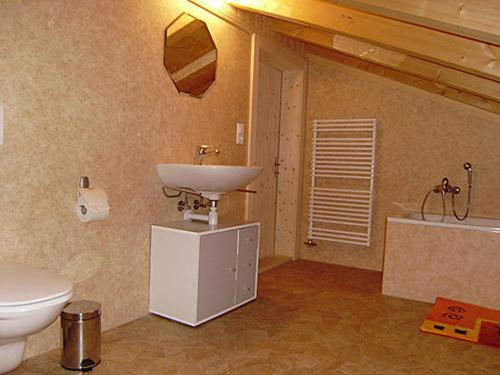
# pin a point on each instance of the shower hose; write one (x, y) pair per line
(443, 189)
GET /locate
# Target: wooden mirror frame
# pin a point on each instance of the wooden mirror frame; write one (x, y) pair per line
(190, 55)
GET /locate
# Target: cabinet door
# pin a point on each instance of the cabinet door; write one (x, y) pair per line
(217, 273)
(174, 274)
(247, 264)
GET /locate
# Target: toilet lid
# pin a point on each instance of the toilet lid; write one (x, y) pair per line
(20, 285)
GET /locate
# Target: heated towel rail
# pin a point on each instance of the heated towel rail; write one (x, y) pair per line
(342, 173)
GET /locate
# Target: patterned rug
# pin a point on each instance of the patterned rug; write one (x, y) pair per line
(464, 321)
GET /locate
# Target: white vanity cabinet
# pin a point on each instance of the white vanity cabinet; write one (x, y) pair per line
(198, 272)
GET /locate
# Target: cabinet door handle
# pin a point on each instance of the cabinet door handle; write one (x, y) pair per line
(232, 269)
(249, 264)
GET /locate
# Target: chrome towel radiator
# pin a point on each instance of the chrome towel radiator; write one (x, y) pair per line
(342, 174)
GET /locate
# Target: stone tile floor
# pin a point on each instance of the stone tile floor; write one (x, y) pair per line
(309, 318)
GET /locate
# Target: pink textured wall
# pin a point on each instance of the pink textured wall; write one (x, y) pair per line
(85, 92)
(421, 138)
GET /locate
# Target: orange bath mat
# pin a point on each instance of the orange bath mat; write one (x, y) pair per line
(464, 321)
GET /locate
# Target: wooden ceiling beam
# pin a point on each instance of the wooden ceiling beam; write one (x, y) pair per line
(439, 74)
(447, 49)
(476, 19)
(414, 81)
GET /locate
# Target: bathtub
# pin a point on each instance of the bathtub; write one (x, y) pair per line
(457, 260)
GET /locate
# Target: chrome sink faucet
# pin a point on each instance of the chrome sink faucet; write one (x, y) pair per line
(202, 151)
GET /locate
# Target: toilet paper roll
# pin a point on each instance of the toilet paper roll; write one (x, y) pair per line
(92, 205)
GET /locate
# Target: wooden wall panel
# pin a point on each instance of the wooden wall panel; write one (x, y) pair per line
(262, 205)
(290, 156)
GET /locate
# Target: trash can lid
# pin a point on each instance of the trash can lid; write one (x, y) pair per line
(81, 310)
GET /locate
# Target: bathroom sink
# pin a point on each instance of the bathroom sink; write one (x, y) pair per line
(208, 180)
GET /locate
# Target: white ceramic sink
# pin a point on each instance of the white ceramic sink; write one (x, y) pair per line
(208, 180)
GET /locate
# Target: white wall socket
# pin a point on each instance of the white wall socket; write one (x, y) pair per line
(240, 133)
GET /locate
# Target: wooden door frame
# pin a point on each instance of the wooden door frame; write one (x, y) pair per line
(282, 58)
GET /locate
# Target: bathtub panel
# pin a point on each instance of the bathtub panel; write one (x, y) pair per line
(423, 262)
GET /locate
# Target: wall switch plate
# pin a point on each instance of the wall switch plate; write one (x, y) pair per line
(1, 125)
(240, 133)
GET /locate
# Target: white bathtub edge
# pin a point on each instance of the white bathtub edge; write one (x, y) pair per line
(403, 220)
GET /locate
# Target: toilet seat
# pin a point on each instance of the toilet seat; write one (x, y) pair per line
(6, 311)
(30, 300)
(23, 287)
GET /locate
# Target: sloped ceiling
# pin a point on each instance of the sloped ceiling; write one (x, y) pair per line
(449, 47)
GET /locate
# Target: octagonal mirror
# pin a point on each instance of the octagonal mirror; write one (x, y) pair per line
(190, 55)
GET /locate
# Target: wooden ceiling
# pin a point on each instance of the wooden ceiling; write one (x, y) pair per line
(448, 47)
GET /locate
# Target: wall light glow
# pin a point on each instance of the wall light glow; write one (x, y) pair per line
(216, 4)
(242, 2)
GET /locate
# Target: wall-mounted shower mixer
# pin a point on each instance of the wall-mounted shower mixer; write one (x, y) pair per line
(446, 188)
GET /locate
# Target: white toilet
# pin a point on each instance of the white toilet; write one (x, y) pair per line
(30, 300)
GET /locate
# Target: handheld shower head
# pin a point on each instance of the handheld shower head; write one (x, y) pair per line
(468, 168)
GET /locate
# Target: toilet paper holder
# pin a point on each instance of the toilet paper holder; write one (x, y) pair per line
(84, 184)
(92, 203)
